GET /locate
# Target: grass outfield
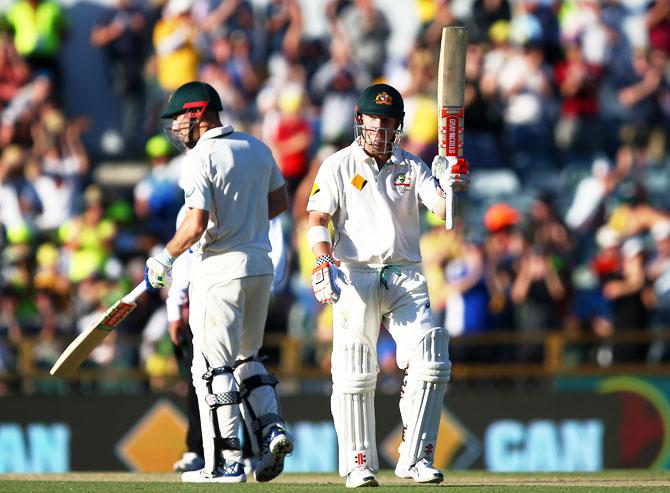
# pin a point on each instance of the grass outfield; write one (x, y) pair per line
(462, 482)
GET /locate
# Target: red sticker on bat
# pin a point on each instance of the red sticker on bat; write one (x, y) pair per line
(115, 317)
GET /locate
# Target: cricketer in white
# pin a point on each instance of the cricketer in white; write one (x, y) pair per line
(371, 191)
(232, 188)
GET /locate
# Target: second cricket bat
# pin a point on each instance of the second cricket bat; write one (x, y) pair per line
(81, 347)
(450, 100)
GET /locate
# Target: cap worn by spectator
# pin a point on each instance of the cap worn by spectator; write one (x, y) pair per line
(500, 216)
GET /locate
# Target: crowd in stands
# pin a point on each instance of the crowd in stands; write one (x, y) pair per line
(566, 226)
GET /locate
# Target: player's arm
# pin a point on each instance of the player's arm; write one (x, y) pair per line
(189, 232)
(277, 202)
(318, 234)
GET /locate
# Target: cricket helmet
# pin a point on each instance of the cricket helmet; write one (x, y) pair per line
(192, 96)
(379, 100)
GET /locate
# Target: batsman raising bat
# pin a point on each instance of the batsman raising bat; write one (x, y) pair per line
(371, 191)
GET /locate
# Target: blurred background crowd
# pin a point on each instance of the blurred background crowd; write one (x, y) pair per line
(565, 230)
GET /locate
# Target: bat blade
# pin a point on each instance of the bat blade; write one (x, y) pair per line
(450, 100)
(89, 339)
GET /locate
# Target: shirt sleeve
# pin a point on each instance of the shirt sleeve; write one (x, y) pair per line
(324, 194)
(427, 187)
(196, 184)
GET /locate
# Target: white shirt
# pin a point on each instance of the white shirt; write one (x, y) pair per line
(230, 174)
(375, 212)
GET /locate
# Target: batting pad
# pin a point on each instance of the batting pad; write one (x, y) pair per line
(259, 406)
(223, 401)
(422, 397)
(354, 371)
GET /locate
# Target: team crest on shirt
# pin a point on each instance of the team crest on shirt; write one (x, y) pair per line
(384, 98)
(402, 182)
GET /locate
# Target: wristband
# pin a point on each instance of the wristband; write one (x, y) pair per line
(318, 234)
(322, 259)
(165, 258)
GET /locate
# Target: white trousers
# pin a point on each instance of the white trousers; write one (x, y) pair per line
(402, 306)
(397, 297)
(227, 318)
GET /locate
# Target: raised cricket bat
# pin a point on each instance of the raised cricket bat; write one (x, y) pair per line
(82, 346)
(450, 95)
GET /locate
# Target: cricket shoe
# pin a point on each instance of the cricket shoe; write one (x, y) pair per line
(421, 472)
(361, 477)
(277, 444)
(228, 472)
(190, 461)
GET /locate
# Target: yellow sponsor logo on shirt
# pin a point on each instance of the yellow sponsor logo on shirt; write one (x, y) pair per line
(359, 182)
(315, 189)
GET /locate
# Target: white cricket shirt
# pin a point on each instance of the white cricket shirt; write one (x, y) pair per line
(375, 212)
(230, 174)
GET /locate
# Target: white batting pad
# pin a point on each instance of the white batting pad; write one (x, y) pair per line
(198, 368)
(422, 397)
(260, 402)
(354, 371)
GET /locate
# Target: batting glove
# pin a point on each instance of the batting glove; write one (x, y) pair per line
(452, 173)
(325, 279)
(157, 273)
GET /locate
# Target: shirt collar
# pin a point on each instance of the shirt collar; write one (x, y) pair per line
(213, 133)
(361, 156)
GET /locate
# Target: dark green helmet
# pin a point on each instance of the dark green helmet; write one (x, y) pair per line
(381, 100)
(192, 96)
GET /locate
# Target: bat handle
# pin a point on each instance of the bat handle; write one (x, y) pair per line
(449, 203)
(135, 293)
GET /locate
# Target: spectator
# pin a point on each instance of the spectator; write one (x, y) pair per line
(14, 71)
(537, 293)
(577, 130)
(292, 137)
(87, 238)
(468, 299)
(176, 58)
(39, 28)
(367, 31)
(19, 203)
(60, 164)
(157, 196)
(121, 33)
(629, 295)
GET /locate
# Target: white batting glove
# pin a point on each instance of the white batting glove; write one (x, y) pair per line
(157, 273)
(325, 280)
(452, 172)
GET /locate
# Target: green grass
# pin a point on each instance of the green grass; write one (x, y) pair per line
(457, 482)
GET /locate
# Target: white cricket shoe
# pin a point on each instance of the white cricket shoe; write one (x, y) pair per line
(421, 472)
(361, 477)
(190, 461)
(228, 472)
(277, 444)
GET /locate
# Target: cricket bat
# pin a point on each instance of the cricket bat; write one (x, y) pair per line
(450, 96)
(82, 346)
